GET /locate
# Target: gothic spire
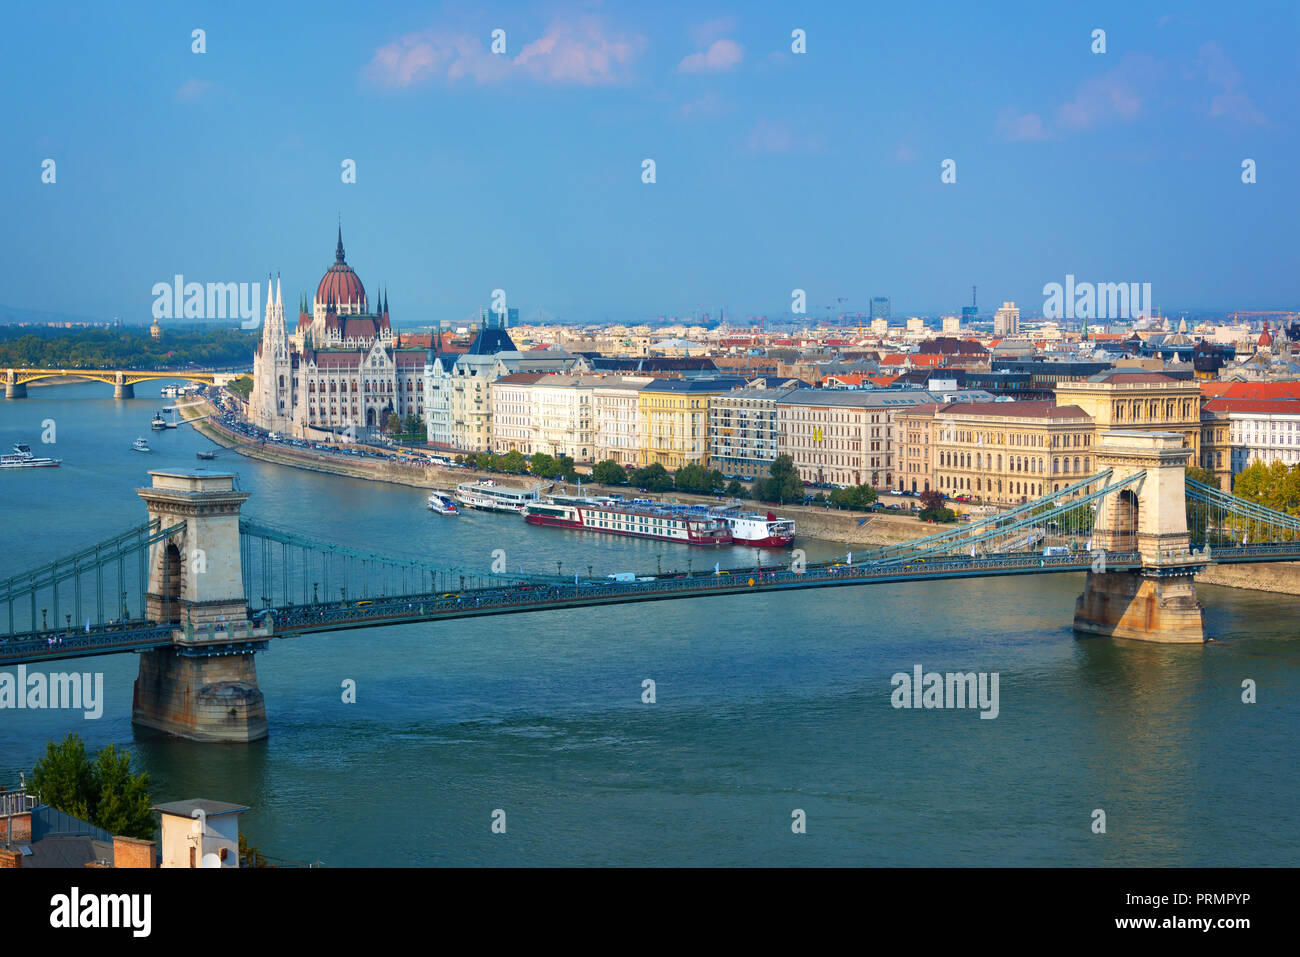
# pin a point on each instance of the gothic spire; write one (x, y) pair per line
(338, 250)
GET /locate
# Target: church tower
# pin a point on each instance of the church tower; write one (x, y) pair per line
(272, 398)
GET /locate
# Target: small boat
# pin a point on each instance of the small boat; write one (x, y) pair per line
(206, 456)
(169, 392)
(442, 504)
(158, 423)
(22, 458)
(140, 445)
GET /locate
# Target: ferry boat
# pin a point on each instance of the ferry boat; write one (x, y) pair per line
(639, 518)
(158, 423)
(760, 531)
(22, 458)
(169, 391)
(140, 445)
(206, 456)
(491, 497)
(442, 504)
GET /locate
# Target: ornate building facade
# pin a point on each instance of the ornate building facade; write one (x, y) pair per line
(342, 366)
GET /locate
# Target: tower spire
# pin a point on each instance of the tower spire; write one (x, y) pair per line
(338, 250)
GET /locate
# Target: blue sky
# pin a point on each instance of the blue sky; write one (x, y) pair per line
(775, 170)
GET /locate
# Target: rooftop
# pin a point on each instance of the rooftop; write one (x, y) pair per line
(209, 808)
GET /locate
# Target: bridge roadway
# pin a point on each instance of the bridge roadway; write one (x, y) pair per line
(516, 598)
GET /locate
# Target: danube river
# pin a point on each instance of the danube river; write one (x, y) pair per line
(764, 705)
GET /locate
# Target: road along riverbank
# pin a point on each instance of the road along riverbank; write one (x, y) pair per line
(813, 522)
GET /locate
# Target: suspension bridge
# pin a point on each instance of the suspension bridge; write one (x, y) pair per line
(197, 590)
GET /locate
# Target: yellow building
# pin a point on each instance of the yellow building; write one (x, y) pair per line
(1145, 401)
(674, 419)
(999, 453)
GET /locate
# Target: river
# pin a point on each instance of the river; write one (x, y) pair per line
(764, 704)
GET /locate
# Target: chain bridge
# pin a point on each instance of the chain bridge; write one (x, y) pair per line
(197, 590)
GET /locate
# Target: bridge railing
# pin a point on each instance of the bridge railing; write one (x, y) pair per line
(105, 582)
(1219, 519)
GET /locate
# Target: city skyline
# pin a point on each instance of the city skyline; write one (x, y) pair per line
(774, 170)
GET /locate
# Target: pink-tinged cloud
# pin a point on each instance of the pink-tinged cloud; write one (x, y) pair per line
(703, 107)
(904, 153)
(582, 53)
(773, 137)
(192, 90)
(720, 57)
(1020, 127)
(1231, 101)
(1114, 96)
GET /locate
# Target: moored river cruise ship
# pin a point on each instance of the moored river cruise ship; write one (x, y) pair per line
(638, 518)
(488, 496)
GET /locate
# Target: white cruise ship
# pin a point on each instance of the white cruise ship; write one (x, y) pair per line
(488, 496)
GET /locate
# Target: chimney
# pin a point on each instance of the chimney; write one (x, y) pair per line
(131, 852)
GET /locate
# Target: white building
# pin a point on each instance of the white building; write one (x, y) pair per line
(1006, 321)
(1261, 430)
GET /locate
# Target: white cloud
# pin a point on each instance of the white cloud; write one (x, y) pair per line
(580, 53)
(720, 57)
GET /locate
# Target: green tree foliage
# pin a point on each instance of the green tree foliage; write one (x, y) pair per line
(652, 478)
(242, 387)
(736, 490)
(941, 514)
(1204, 476)
(514, 463)
(609, 472)
(1274, 485)
(103, 792)
(485, 461)
(181, 346)
(783, 484)
(858, 497)
(696, 479)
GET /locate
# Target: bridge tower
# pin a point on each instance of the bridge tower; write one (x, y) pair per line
(204, 686)
(1157, 603)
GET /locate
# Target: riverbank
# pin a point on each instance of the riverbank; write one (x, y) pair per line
(812, 521)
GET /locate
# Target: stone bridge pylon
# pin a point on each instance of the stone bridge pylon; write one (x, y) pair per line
(204, 685)
(1157, 603)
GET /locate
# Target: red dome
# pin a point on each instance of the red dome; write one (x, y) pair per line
(1265, 338)
(340, 284)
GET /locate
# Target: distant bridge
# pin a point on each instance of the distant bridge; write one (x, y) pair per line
(122, 381)
(197, 590)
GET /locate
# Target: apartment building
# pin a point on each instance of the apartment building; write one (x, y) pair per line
(615, 404)
(743, 432)
(674, 419)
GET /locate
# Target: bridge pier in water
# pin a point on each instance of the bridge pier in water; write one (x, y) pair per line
(122, 389)
(13, 388)
(204, 686)
(1159, 602)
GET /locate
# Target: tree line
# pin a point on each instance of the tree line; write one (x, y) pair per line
(37, 347)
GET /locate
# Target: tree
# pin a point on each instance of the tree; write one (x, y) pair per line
(609, 472)
(857, 497)
(242, 387)
(783, 485)
(513, 463)
(1274, 485)
(102, 792)
(1204, 476)
(544, 466)
(695, 478)
(564, 467)
(123, 798)
(931, 500)
(736, 490)
(652, 478)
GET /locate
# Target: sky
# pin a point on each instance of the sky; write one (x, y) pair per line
(774, 170)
